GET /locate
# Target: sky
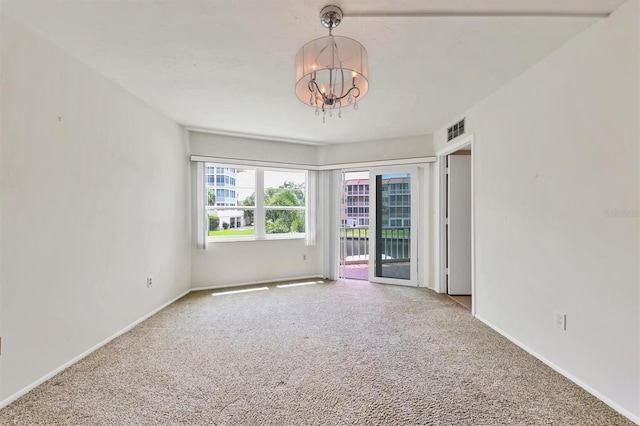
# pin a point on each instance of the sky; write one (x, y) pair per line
(245, 180)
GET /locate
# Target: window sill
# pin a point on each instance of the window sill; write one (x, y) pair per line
(271, 237)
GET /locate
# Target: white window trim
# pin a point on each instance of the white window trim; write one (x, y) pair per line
(259, 209)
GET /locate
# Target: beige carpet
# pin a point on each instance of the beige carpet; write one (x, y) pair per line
(326, 354)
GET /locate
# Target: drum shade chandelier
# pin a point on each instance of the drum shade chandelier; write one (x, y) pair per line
(331, 72)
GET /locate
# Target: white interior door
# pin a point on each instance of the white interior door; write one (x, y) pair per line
(393, 226)
(458, 225)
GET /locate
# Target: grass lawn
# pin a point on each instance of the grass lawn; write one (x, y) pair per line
(227, 232)
(401, 233)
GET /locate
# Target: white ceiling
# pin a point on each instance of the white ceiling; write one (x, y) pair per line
(227, 66)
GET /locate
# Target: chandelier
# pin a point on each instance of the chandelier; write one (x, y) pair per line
(331, 72)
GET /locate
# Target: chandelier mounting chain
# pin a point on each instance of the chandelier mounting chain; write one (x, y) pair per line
(332, 71)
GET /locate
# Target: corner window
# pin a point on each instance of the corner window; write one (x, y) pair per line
(249, 203)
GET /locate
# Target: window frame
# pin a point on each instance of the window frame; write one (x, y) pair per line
(259, 209)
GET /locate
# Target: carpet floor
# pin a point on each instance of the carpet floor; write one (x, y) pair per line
(325, 354)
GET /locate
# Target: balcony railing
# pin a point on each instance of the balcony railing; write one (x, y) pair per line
(354, 245)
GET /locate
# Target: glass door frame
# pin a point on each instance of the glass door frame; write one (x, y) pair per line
(415, 226)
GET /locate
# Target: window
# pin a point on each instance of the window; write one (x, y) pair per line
(278, 212)
(284, 201)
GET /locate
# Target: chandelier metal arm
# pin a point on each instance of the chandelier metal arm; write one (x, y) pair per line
(331, 100)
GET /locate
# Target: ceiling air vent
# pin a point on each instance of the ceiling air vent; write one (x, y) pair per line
(455, 130)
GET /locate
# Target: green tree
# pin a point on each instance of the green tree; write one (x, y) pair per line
(284, 221)
(211, 194)
(248, 214)
(298, 223)
(297, 190)
(289, 194)
(214, 222)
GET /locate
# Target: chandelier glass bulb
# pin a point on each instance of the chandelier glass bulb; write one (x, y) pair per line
(331, 72)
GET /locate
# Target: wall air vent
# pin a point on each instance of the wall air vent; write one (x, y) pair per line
(455, 130)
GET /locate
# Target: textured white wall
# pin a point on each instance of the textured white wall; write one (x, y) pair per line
(251, 149)
(245, 262)
(376, 150)
(261, 150)
(242, 262)
(555, 149)
(232, 263)
(94, 199)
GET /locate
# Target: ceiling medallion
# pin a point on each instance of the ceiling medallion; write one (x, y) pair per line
(331, 72)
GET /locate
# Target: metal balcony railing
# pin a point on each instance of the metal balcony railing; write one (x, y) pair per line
(395, 242)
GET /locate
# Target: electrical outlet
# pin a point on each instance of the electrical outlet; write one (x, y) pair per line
(304, 257)
(560, 320)
(149, 282)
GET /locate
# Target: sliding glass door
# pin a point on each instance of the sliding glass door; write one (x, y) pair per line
(393, 221)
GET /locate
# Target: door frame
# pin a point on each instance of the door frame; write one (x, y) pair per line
(466, 141)
(341, 205)
(414, 280)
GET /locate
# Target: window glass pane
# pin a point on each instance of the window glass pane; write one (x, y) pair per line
(287, 189)
(284, 188)
(211, 196)
(231, 222)
(245, 187)
(228, 189)
(232, 207)
(284, 221)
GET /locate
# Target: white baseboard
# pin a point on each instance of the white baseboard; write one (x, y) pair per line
(271, 281)
(561, 371)
(634, 418)
(68, 364)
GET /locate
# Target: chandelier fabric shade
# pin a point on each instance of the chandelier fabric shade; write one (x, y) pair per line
(331, 72)
(337, 64)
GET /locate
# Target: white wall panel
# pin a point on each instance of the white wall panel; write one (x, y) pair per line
(556, 201)
(377, 150)
(94, 199)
